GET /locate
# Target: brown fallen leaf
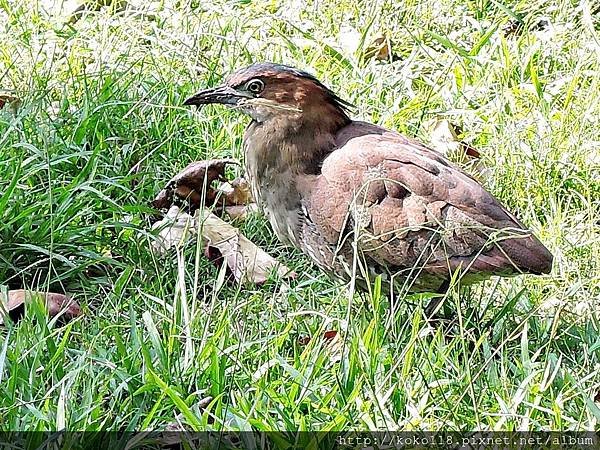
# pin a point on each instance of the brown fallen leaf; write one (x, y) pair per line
(241, 211)
(173, 230)
(224, 244)
(380, 49)
(516, 27)
(56, 304)
(303, 340)
(513, 27)
(214, 255)
(445, 139)
(236, 192)
(12, 102)
(333, 344)
(328, 336)
(192, 182)
(246, 260)
(115, 6)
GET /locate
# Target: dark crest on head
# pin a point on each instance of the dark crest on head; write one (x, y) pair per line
(270, 69)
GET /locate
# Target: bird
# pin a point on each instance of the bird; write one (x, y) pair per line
(363, 201)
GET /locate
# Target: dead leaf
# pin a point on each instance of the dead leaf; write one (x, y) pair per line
(115, 6)
(516, 27)
(214, 255)
(329, 335)
(224, 243)
(303, 340)
(379, 49)
(246, 261)
(241, 211)
(56, 304)
(174, 230)
(513, 27)
(445, 139)
(192, 182)
(14, 103)
(333, 344)
(236, 192)
(235, 197)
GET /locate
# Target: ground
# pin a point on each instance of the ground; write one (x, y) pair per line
(99, 128)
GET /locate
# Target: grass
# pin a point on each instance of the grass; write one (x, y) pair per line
(164, 340)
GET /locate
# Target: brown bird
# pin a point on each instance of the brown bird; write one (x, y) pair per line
(362, 200)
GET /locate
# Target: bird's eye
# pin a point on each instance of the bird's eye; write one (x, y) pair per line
(255, 86)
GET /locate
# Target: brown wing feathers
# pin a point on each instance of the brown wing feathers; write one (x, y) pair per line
(409, 198)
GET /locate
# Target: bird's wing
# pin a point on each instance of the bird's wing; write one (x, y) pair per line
(407, 205)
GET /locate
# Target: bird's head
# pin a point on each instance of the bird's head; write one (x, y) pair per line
(267, 91)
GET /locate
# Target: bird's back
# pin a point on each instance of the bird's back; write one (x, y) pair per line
(411, 213)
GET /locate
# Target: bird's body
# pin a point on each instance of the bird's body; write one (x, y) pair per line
(362, 200)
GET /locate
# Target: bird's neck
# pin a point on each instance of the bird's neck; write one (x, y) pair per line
(294, 143)
(281, 157)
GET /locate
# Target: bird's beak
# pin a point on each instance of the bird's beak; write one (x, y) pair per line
(225, 95)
